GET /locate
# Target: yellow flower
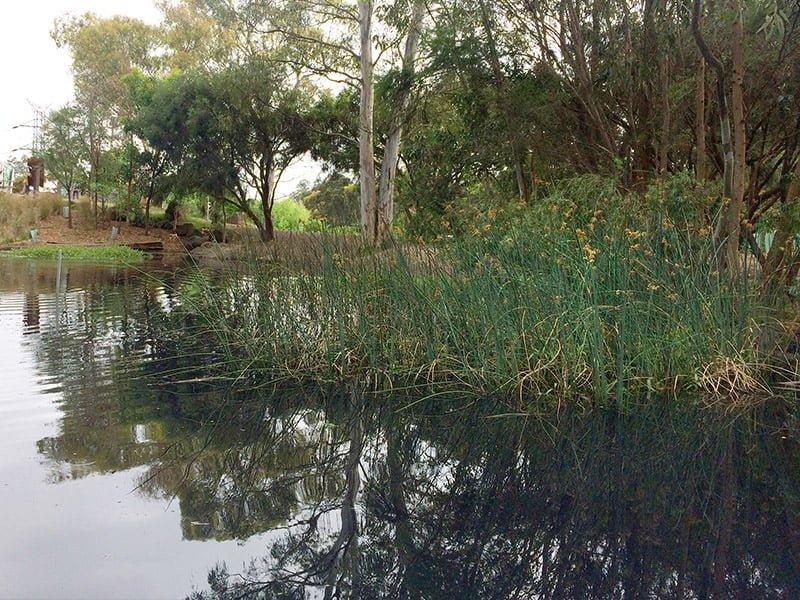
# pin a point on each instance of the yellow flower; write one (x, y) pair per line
(591, 253)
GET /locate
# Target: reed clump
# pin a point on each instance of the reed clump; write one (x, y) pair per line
(18, 214)
(575, 303)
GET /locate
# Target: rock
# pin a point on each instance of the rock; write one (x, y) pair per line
(186, 230)
(195, 241)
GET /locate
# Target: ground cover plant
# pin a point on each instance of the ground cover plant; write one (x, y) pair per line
(97, 254)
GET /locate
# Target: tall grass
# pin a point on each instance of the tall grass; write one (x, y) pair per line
(18, 214)
(573, 304)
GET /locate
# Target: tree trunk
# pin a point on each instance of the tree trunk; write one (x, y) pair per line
(723, 232)
(391, 154)
(267, 233)
(740, 147)
(666, 113)
(369, 207)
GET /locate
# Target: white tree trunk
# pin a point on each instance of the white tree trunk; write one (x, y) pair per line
(369, 207)
(391, 154)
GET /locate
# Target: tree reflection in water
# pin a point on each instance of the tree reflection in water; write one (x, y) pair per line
(665, 503)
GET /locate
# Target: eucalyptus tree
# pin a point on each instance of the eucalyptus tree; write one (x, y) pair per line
(349, 43)
(194, 35)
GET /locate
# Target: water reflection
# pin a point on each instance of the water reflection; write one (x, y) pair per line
(666, 503)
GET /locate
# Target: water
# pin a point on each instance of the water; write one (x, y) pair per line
(78, 434)
(123, 473)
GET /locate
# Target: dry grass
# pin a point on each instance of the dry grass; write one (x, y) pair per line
(19, 214)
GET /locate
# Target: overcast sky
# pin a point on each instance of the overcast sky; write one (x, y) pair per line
(25, 43)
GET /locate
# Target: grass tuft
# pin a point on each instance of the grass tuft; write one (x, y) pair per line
(18, 214)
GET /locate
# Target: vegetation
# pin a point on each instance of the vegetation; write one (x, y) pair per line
(606, 306)
(562, 207)
(292, 216)
(95, 254)
(19, 214)
(606, 227)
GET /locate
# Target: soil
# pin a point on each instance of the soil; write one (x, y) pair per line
(55, 230)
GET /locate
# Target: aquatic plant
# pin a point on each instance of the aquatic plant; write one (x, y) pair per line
(101, 254)
(592, 311)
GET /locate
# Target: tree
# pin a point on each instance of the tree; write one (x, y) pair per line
(262, 128)
(194, 36)
(65, 151)
(155, 129)
(727, 229)
(103, 53)
(334, 199)
(336, 40)
(227, 134)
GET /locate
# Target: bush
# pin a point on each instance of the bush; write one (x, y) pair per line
(289, 215)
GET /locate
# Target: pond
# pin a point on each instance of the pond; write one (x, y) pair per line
(125, 473)
(79, 434)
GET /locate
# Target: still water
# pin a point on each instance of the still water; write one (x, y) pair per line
(125, 473)
(79, 434)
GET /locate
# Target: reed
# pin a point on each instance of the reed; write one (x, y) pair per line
(587, 306)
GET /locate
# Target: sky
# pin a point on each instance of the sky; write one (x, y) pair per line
(26, 45)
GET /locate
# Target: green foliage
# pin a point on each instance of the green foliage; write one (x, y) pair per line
(96, 254)
(64, 148)
(289, 215)
(334, 138)
(334, 200)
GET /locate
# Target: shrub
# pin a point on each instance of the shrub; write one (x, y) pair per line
(289, 215)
